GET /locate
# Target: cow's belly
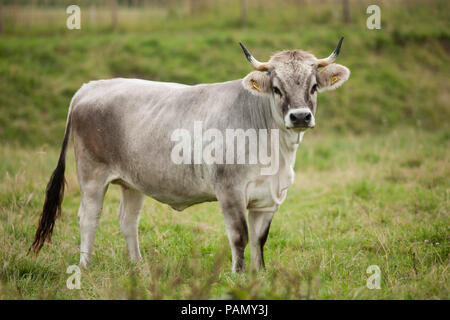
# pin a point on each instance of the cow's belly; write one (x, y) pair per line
(179, 186)
(180, 205)
(180, 194)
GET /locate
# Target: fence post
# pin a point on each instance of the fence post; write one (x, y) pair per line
(346, 10)
(243, 13)
(1, 25)
(113, 5)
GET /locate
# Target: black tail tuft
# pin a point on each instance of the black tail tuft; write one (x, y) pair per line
(53, 199)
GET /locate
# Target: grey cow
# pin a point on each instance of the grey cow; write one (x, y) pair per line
(122, 134)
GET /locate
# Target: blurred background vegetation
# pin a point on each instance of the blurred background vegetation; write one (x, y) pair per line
(399, 73)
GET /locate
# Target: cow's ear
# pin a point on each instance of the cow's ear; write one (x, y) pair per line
(257, 82)
(332, 77)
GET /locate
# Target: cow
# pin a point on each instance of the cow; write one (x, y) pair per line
(121, 132)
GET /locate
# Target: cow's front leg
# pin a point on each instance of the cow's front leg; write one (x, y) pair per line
(259, 224)
(234, 208)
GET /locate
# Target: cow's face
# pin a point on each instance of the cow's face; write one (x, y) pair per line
(292, 79)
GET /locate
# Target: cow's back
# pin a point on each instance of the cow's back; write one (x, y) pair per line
(125, 125)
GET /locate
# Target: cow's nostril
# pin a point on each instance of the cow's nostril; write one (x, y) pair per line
(292, 117)
(308, 117)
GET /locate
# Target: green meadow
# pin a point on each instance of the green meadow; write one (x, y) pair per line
(372, 184)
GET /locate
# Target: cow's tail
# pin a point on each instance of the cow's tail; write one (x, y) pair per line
(53, 196)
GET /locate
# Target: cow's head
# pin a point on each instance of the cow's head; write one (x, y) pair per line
(292, 79)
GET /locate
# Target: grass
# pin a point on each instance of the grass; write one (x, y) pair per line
(394, 85)
(356, 202)
(372, 180)
(399, 74)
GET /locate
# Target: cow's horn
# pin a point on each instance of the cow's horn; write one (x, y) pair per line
(332, 57)
(261, 66)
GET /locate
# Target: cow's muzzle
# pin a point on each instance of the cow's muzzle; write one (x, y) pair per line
(301, 118)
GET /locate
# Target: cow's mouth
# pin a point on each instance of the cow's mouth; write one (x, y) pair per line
(301, 128)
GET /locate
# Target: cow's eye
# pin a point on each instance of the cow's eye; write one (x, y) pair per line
(277, 91)
(314, 88)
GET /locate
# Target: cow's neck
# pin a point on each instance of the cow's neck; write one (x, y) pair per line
(262, 113)
(284, 178)
(289, 142)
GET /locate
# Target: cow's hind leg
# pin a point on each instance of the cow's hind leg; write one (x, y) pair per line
(234, 209)
(130, 206)
(92, 194)
(259, 224)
